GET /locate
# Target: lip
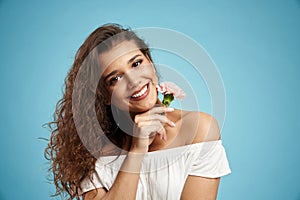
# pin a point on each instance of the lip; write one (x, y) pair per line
(143, 96)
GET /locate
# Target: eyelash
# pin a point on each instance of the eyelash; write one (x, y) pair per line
(137, 63)
(113, 80)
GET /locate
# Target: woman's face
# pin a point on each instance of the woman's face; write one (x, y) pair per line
(130, 78)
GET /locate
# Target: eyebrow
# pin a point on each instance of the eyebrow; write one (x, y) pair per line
(132, 59)
(116, 71)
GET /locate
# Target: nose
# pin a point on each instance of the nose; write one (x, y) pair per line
(132, 80)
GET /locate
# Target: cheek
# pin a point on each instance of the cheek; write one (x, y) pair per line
(118, 93)
(150, 72)
(155, 79)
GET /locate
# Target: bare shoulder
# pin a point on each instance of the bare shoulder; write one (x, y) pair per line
(199, 127)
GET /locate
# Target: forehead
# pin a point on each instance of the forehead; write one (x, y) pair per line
(118, 54)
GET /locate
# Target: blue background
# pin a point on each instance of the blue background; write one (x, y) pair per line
(255, 45)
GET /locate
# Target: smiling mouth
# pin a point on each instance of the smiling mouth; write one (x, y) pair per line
(141, 94)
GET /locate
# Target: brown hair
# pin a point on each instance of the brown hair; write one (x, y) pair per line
(71, 161)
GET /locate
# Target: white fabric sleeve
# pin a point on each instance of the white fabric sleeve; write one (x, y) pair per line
(212, 164)
(98, 181)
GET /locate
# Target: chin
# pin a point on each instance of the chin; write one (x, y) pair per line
(144, 107)
(140, 110)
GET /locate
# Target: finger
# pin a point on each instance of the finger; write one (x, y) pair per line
(146, 128)
(163, 119)
(148, 123)
(154, 110)
(152, 134)
(161, 131)
(159, 110)
(163, 134)
(153, 125)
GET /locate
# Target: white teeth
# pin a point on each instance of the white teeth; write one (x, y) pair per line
(141, 92)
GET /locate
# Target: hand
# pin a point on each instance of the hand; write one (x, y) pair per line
(147, 125)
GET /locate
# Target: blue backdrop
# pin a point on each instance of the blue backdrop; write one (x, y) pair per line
(255, 45)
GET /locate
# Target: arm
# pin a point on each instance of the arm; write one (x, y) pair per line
(197, 187)
(126, 182)
(200, 188)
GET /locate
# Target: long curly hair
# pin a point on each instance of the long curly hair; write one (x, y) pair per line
(76, 138)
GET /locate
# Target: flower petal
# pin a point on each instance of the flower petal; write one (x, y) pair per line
(170, 87)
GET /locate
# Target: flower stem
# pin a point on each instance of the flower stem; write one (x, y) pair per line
(168, 98)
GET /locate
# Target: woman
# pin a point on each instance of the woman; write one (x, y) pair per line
(142, 149)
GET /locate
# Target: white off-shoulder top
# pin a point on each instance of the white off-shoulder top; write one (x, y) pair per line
(164, 172)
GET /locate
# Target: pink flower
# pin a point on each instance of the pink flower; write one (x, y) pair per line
(171, 88)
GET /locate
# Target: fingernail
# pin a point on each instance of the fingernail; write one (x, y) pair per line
(170, 109)
(172, 124)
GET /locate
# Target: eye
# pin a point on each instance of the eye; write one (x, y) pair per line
(137, 63)
(114, 79)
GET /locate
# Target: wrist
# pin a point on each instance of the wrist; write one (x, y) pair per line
(139, 151)
(133, 162)
(134, 151)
